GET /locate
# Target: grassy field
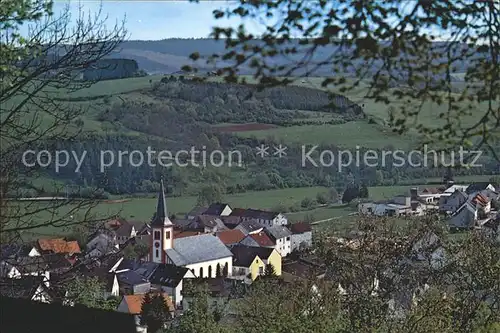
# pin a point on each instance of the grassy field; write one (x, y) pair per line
(348, 135)
(142, 209)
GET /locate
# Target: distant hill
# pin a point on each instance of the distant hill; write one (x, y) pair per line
(169, 55)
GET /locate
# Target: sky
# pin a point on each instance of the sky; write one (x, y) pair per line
(154, 20)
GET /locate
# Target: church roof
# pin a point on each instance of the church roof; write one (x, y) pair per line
(195, 249)
(161, 216)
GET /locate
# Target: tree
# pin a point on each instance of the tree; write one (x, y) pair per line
(39, 65)
(87, 291)
(269, 271)
(154, 312)
(363, 191)
(209, 195)
(225, 270)
(350, 193)
(219, 271)
(322, 198)
(372, 42)
(333, 195)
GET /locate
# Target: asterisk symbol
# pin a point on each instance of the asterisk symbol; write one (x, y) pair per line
(262, 151)
(280, 151)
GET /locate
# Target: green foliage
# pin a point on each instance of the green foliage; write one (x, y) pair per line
(154, 312)
(322, 198)
(88, 291)
(209, 194)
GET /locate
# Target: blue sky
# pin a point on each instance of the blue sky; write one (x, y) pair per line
(153, 20)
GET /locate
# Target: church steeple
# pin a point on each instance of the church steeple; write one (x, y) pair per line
(162, 235)
(161, 217)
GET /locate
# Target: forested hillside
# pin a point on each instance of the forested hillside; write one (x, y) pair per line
(175, 113)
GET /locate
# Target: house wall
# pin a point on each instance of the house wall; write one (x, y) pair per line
(256, 268)
(226, 211)
(303, 238)
(451, 203)
(279, 220)
(213, 263)
(284, 246)
(175, 293)
(275, 260)
(40, 295)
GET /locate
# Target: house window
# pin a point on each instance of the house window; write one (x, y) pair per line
(167, 235)
(201, 271)
(157, 235)
(261, 270)
(288, 238)
(210, 271)
(157, 253)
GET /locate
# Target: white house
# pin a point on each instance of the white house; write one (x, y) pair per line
(281, 236)
(169, 279)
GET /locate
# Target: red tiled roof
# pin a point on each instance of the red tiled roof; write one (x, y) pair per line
(262, 239)
(134, 303)
(300, 227)
(59, 245)
(480, 199)
(231, 236)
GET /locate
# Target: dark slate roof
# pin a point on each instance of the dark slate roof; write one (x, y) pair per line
(215, 209)
(245, 255)
(476, 187)
(210, 221)
(57, 261)
(124, 230)
(161, 215)
(250, 225)
(25, 287)
(182, 223)
(195, 249)
(168, 275)
(278, 231)
(300, 227)
(28, 265)
(255, 213)
(196, 211)
(146, 269)
(15, 250)
(56, 318)
(130, 278)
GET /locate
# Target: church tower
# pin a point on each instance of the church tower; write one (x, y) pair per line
(162, 230)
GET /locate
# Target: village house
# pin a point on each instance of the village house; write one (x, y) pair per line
(102, 242)
(195, 212)
(281, 237)
(301, 238)
(125, 230)
(265, 218)
(485, 188)
(218, 209)
(230, 237)
(169, 279)
(259, 239)
(250, 262)
(450, 202)
(250, 227)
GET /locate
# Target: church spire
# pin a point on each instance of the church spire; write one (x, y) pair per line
(161, 217)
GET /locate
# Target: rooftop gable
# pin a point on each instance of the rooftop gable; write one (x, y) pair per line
(229, 237)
